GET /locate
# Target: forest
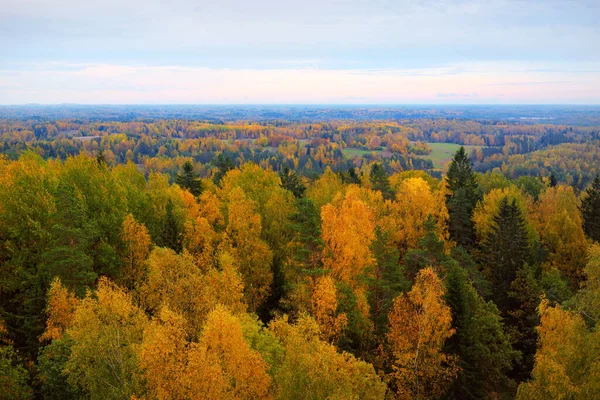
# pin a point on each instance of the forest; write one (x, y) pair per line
(187, 258)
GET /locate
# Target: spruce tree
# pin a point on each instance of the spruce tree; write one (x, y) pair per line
(170, 235)
(506, 249)
(224, 164)
(291, 181)
(380, 181)
(481, 343)
(590, 210)
(430, 252)
(462, 197)
(189, 179)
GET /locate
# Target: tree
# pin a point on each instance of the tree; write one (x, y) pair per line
(324, 309)
(223, 164)
(481, 344)
(189, 179)
(566, 362)
(171, 231)
(420, 323)
(386, 281)
(106, 329)
(313, 369)
(290, 181)
(587, 300)
(522, 319)
(590, 210)
(406, 218)
(559, 226)
(244, 369)
(137, 242)
(380, 181)
(463, 195)
(506, 249)
(60, 310)
(253, 255)
(13, 377)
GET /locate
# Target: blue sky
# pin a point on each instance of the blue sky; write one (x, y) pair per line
(310, 51)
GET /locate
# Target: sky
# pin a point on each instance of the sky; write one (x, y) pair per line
(300, 52)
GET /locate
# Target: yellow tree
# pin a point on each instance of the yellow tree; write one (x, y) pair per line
(175, 281)
(324, 189)
(105, 331)
(252, 254)
(415, 202)
(60, 310)
(324, 308)
(559, 225)
(419, 325)
(348, 230)
(313, 369)
(567, 362)
(246, 372)
(175, 368)
(137, 242)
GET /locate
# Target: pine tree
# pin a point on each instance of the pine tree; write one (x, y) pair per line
(189, 179)
(101, 159)
(481, 343)
(386, 281)
(290, 181)
(464, 195)
(224, 164)
(430, 252)
(380, 181)
(506, 249)
(170, 235)
(522, 319)
(590, 210)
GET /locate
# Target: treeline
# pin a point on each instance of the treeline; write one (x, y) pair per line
(251, 283)
(164, 145)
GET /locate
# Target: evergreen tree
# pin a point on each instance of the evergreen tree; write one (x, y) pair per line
(386, 281)
(353, 176)
(462, 197)
(291, 181)
(189, 179)
(590, 210)
(522, 319)
(481, 343)
(224, 164)
(506, 250)
(170, 235)
(100, 159)
(380, 181)
(553, 181)
(430, 252)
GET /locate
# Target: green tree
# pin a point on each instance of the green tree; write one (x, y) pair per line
(13, 377)
(506, 250)
(590, 210)
(481, 343)
(171, 231)
(463, 195)
(381, 181)
(189, 179)
(291, 181)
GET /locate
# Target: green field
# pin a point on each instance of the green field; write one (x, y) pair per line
(442, 153)
(350, 152)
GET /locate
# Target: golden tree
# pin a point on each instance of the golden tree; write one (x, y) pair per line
(419, 325)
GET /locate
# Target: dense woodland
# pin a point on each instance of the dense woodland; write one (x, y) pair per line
(179, 259)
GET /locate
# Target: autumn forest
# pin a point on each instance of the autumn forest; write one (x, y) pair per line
(330, 254)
